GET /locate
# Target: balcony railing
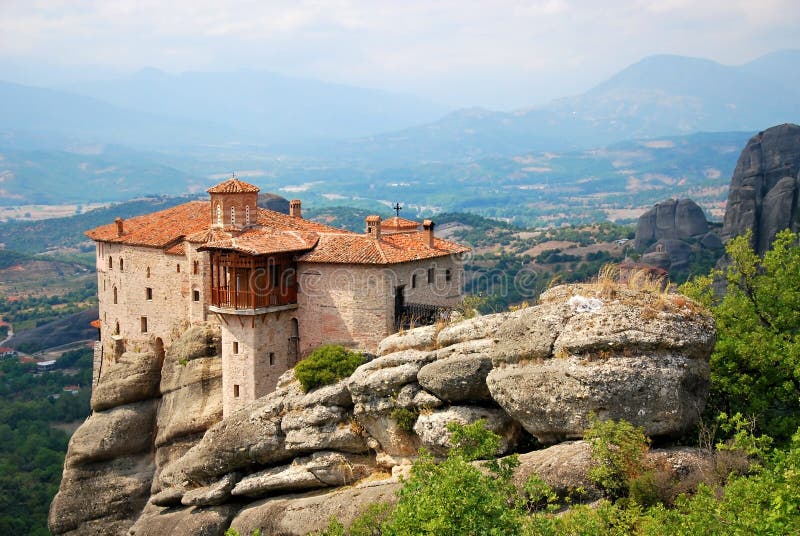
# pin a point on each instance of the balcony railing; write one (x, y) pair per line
(411, 315)
(227, 298)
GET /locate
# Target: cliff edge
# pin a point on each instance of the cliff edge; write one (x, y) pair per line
(156, 458)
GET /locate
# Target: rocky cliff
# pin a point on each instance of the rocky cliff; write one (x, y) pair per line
(669, 233)
(763, 195)
(155, 458)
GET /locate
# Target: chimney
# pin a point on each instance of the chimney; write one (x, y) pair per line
(427, 229)
(294, 208)
(374, 227)
(118, 221)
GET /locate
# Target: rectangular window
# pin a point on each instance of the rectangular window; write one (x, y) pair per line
(414, 281)
(144, 324)
(178, 268)
(430, 275)
(271, 358)
(148, 294)
(196, 267)
(448, 275)
(235, 347)
(196, 295)
(235, 391)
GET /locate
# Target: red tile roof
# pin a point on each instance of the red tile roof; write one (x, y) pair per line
(264, 241)
(159, 229)
(397, 223)
(164, 229)
(390, 249)
(274, 232)
(233, 186)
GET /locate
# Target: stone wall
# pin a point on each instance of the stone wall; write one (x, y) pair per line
(255, 352)
(168, 307)
(354, 305)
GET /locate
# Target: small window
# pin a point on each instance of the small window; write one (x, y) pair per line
(115, 295)
(414, 281)
(271, 359)
(430, 275)
(235, 391)
(196, 295)
(196, 267)
(235, 347)
(233, 215)
(144, 324)
(448, 275)
(148, 294)
(121, 265)
(110, 263)
(247, 215)
(178, 268)
(148, 272)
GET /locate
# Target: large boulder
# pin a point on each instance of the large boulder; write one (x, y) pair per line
(101, 498)
(431, 427)
(155, 521)
(637, 355)
(298, 515)
(674, 219)
(132, 378)
(106, 435)
(762, 197)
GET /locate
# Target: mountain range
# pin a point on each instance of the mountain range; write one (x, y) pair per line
(658, 96)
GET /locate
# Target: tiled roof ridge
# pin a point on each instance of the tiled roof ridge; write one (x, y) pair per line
(233, 186)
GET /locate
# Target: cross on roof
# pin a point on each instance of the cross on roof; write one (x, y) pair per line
(397, 208)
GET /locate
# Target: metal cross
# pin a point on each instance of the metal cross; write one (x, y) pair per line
(397, 208)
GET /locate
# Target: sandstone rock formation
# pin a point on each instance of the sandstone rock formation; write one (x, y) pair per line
(162, 461)
(671, 231)
(763, 195)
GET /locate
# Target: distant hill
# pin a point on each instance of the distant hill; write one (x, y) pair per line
(87, 174)
(657, 96)
(40, 110)
(43, 235)
(57, 333)
(264, 107)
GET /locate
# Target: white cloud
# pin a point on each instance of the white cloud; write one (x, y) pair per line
(509, 49)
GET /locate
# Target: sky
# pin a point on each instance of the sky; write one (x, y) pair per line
(499, 54)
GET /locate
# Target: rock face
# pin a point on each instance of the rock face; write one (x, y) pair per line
(763, 195)
(149, 409)
(162, 462)
(671, 231)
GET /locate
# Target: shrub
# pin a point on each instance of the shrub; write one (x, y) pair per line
(455, 497)
(618, 450)
(326, 365)
(405, 418)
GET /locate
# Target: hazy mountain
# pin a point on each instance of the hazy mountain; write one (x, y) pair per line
(59, 113)
(265, 107)
(658, 96)
(86, 174)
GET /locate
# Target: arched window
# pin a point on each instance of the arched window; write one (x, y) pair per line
(233, 215)
(115, 294)
(121, 265)
(110, 263)
(148, 272)
(247, 215)
(116, 328)
(219, 214)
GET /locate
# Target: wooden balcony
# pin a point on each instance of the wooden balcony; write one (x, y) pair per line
(246, 283)
(227, 298)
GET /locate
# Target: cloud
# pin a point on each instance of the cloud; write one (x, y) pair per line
(510, 49)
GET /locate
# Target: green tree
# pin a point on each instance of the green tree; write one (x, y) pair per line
(755, 367)
(619, 451)
(456, 498)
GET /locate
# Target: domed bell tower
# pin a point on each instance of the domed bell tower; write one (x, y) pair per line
(234, 204)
